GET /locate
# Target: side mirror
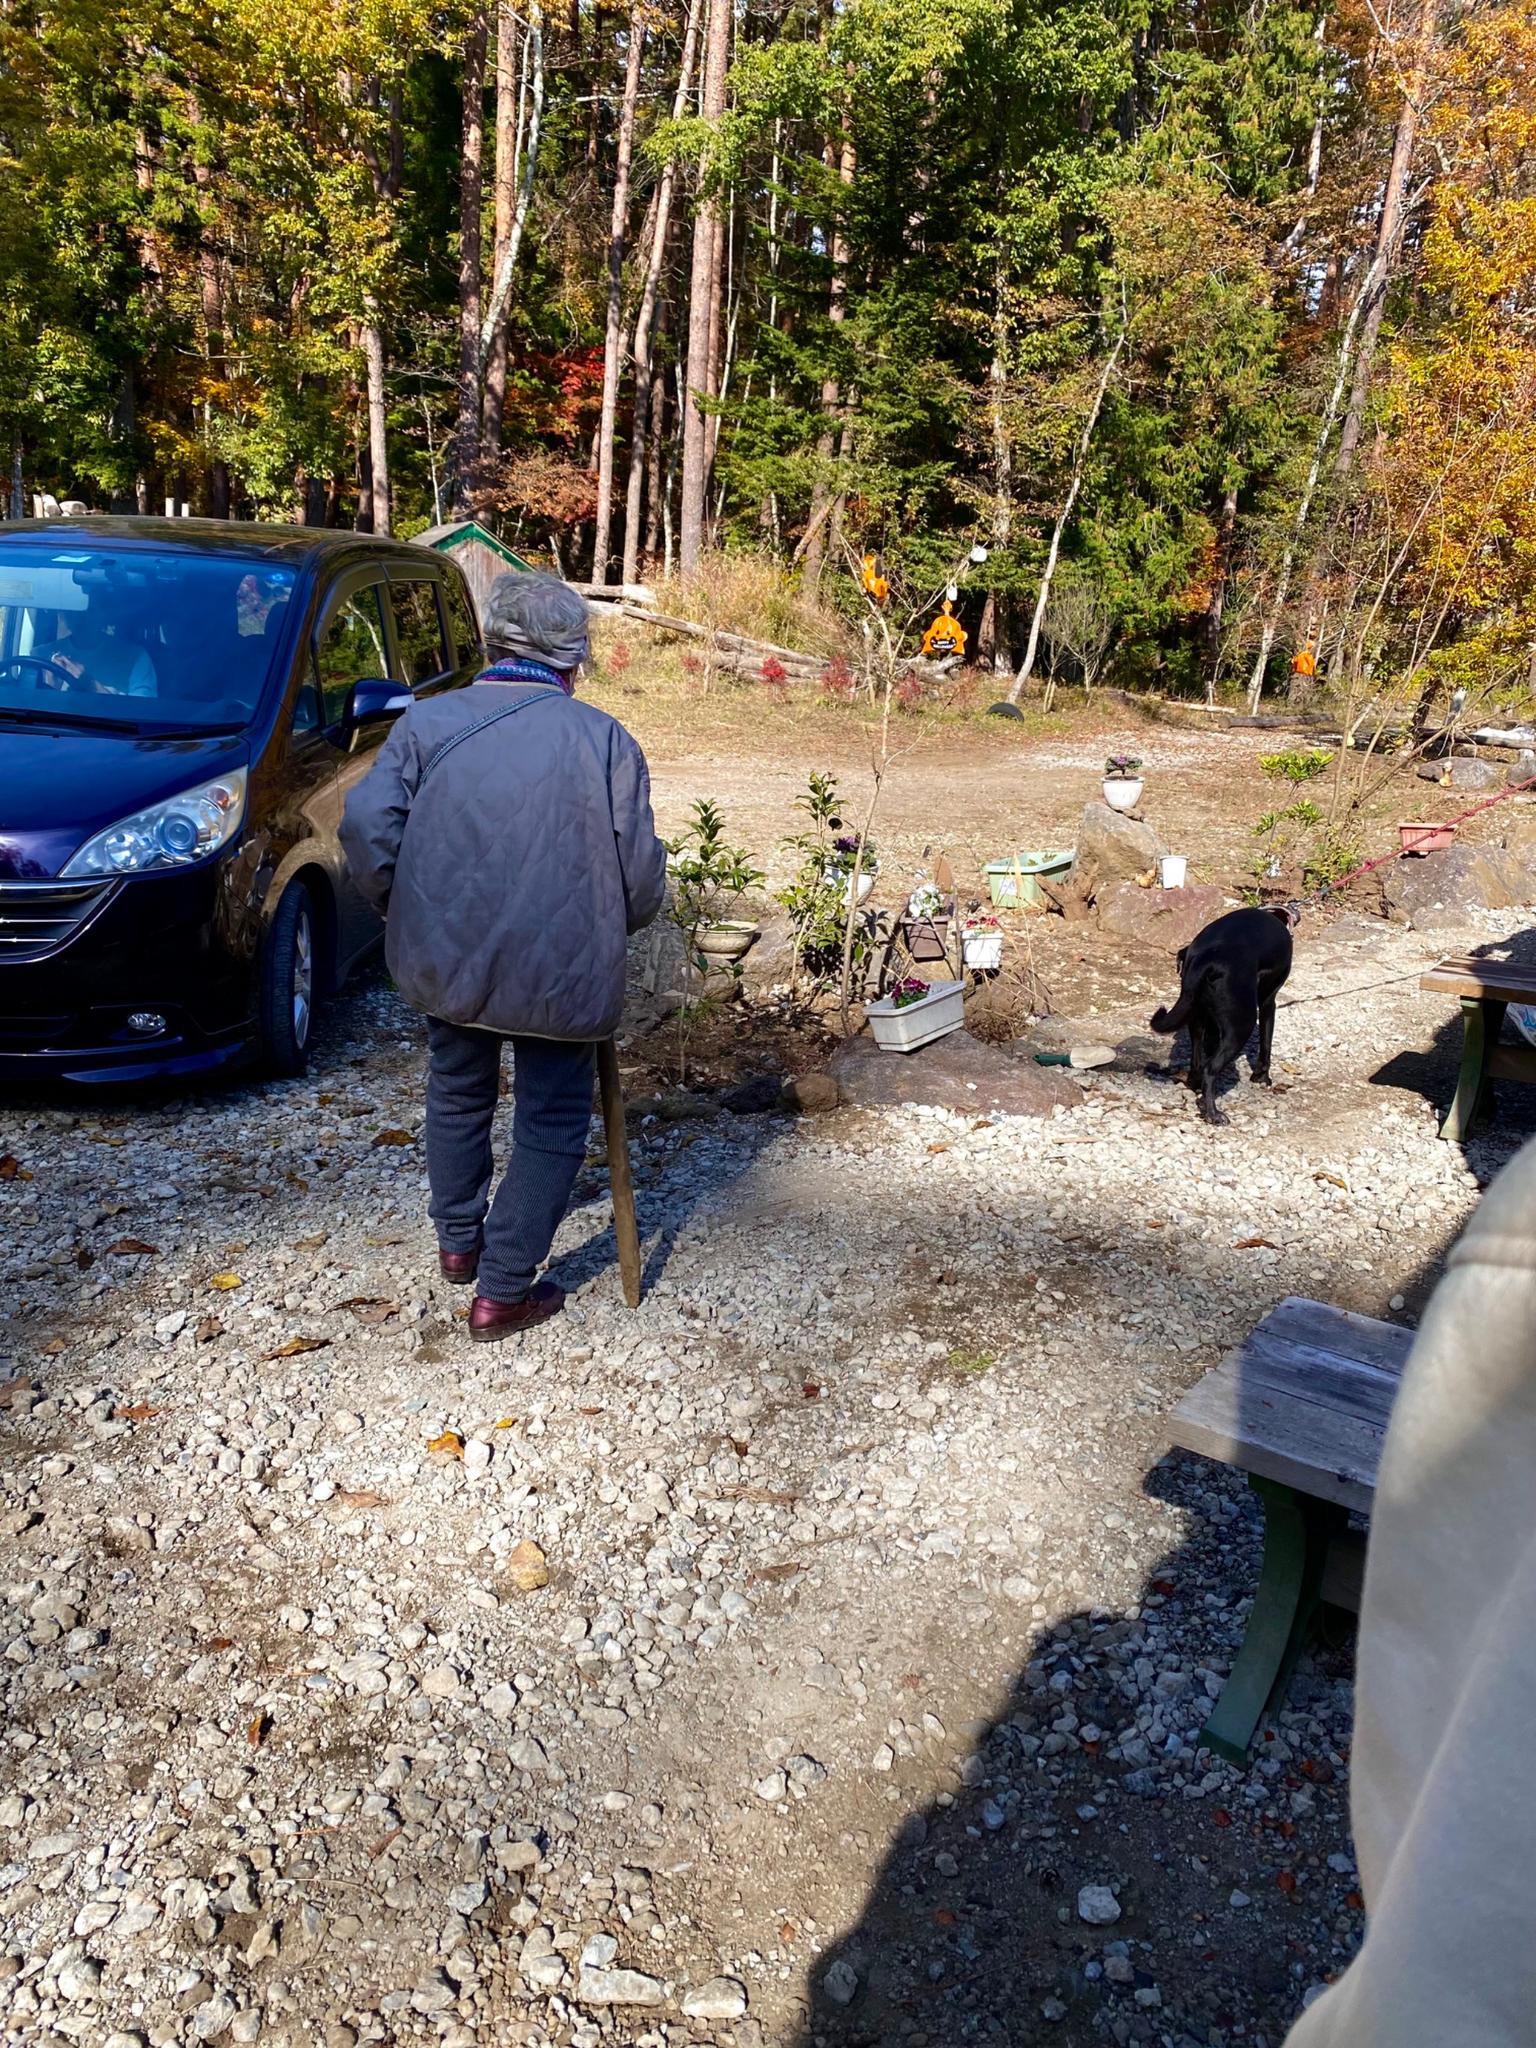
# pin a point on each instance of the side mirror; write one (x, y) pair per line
(373, 700)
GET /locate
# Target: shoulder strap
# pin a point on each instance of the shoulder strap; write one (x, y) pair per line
(468, 732)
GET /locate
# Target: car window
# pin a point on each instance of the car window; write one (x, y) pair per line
(463, 630)
(419, 631)
(164, 637)
(350, 647)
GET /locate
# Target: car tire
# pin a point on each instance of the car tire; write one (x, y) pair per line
(288, 981)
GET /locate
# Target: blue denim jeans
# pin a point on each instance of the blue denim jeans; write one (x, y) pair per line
(552, 1107)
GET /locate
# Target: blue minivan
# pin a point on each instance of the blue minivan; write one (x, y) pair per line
(184, 706)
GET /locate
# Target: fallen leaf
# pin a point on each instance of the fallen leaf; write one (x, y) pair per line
(788, 1930)
(373, 1313)
(764, 1495)
(393, 1138)
(810, 1389)
(589, 1411)
(1222, 1818)
(10, 1166)
(209, 1328)
(1158, 1223)
(311, 1244)
(383, 1240)
(225, 1281)
(365, 1497)
(54, 1347)
(508, 1422)
(1253, 1244)
(376, 1849)
(774, 1574)
(11, 1389)
(1333, 1180)
(945, 1918)
(233, 1251)
(1355, 1899)
(220, 1643)
(141, 1411)
(296, 1346)
(450, 1443)
(941, 1147)
(528, 1567)
(136, 1246)
(84, 1259)
(1286, 1881)
(739, 1446)
(256, 1733)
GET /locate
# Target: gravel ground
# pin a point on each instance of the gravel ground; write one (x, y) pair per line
(815, 1656)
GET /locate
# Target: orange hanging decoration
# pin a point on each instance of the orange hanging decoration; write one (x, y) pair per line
(945, 635)
(873, 578)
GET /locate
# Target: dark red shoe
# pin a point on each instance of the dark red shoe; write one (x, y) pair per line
(459, 1267)
(490, 1321)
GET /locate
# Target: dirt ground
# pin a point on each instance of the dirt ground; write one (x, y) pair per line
(879, 1623)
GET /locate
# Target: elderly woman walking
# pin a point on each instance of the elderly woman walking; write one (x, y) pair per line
(505, 832)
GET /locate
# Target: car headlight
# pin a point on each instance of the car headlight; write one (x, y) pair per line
(174, 833)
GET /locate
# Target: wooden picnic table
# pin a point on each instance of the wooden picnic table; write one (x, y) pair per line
(1301, 1406)
(1486, 989)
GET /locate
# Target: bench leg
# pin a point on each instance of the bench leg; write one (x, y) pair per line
(1482, 1020)
(1297, 1533)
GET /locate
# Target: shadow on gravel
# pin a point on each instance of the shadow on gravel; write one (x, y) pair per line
(1219, 1895)
(1433, 1073)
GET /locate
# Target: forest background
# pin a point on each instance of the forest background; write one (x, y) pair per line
(1212, 325)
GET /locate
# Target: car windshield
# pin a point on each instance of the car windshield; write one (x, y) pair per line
(154, 639)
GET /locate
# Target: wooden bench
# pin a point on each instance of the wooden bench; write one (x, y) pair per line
(1301, 1406)
(1486, 988)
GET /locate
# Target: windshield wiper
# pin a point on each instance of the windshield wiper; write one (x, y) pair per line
(16, 714)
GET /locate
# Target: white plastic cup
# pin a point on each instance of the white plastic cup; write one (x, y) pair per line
(1173, 868)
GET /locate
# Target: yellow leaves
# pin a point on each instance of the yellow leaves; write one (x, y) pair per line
(449, 1445)
(256, 1732)
(527, 1567)
(226, 1282)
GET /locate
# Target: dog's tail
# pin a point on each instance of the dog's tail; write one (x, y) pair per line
(1169, 1021)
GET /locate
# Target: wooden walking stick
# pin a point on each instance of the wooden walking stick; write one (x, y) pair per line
(620, 1180)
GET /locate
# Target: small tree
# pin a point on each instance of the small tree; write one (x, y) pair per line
(709, 880)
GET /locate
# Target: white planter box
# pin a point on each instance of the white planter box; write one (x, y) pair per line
(932, 1016)
(984, 951)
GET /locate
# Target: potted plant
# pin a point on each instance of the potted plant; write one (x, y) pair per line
(1122, 782)
(915, 1013)
(854, 865)
(981, 942)
(925, 927)
(709, 880)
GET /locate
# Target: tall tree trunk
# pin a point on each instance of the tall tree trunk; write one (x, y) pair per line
(1389, 237)
(511, 88)
(703, 306)
(211, 293)
(378, 440)
(643, 347)
(18, 481)
(1032, 647)
(612, 350)
(501, 284)
(1226, 535)
(989, 642)
(822, 514)
(471, 181)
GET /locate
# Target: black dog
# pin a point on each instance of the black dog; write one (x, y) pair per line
(1229, 976)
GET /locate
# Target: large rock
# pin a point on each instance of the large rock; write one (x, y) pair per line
(957, 1072)
(1519, 835)
(1464, 771)
(1114, 846)
(656, 974)
(1434, 890)
(1164, 918)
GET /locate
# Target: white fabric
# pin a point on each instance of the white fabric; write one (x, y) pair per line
(1444, 1791)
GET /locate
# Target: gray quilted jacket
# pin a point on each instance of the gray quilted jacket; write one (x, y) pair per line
(511, 856)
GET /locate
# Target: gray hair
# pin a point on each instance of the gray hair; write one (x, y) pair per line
(538, 617)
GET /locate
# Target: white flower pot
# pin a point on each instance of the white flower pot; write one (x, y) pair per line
(1122, 792)
(730, 941)
(932, 1016)
(852, 897)
(984, 951)
(1173, 870)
